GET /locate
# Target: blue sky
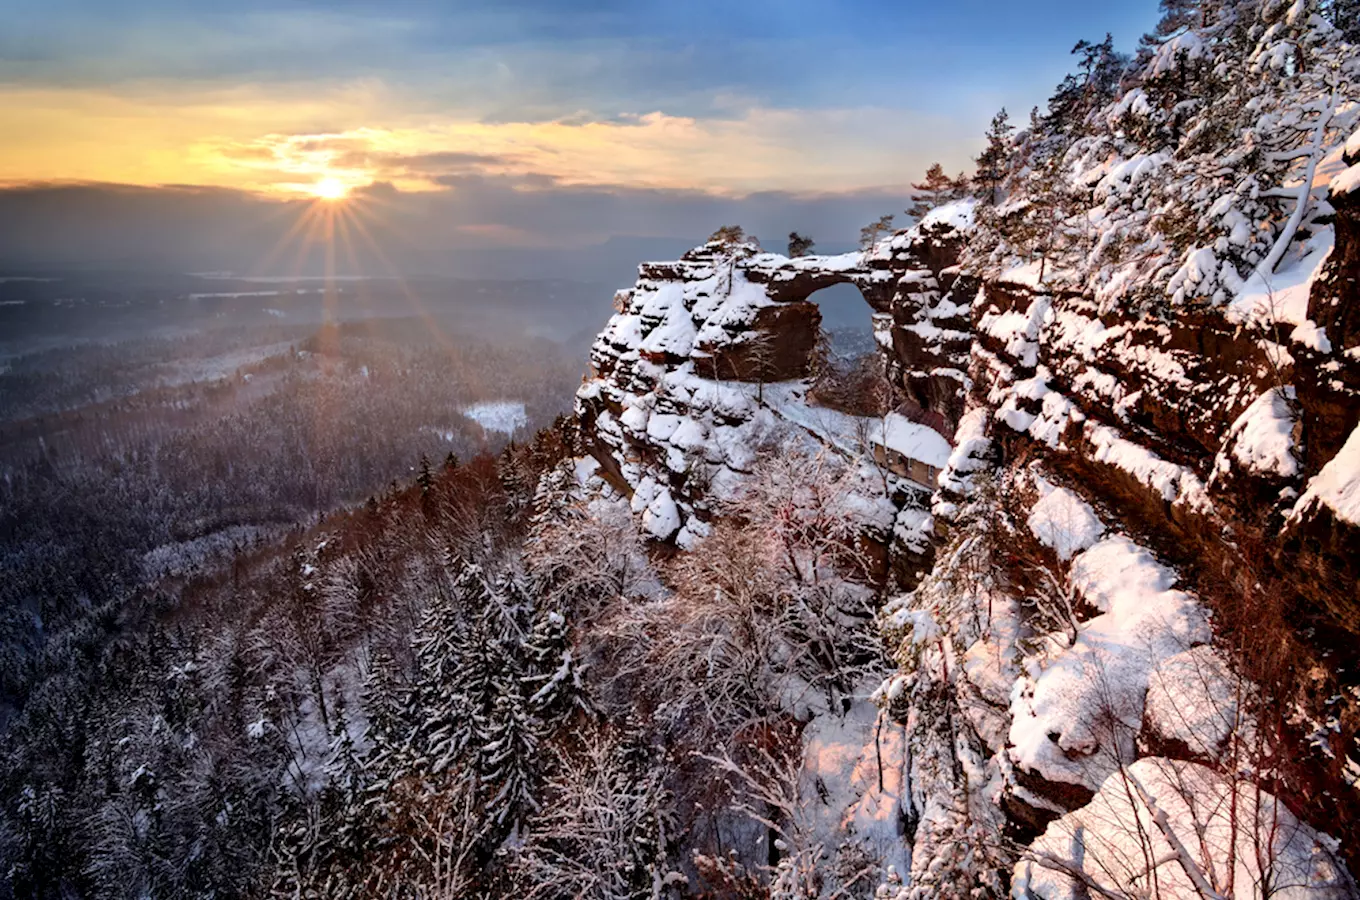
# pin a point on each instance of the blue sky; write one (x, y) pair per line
(539, 59)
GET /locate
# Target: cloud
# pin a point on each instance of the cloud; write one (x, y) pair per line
(255, 138)
(542, 60)
(480, 226)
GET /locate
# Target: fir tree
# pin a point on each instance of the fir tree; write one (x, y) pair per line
(992, 164)
(510, 758)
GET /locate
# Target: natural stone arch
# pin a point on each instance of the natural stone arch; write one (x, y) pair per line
(779, 341)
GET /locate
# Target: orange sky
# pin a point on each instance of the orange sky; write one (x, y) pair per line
(247, 137)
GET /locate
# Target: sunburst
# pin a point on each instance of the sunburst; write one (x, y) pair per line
(330, 188)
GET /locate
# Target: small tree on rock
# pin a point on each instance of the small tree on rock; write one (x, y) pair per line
(729, 236)
(992, 164)
(870, 234)
(937, 189)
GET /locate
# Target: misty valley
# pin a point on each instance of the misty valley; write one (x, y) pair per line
(401, 500)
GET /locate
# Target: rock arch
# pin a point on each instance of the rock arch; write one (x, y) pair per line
(663, 400)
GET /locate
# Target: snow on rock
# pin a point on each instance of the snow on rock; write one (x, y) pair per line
(1282, 295)
(991, 667)
(1191, 824)
(1078, 708)
(1063, 521)
(1175, 484)
(1018, 332)
(1337, 486)
(968, 457)
(957, 215)
(1261, 440)
(661, 519)
(1195, 700)
(855, 766)
(705, 362)
(1346, 182)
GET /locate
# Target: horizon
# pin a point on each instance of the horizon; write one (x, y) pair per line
(407, 135)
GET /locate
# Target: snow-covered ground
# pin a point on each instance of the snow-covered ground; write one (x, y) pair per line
(499, 417)
(215, 368)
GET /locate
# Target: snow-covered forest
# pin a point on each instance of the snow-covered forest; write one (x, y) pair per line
(1051, 594)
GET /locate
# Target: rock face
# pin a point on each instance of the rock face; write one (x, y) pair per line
(1103, 454)
(1324, 529)
(1166, 483)
(703, 355)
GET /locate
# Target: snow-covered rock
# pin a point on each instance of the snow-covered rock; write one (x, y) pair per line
(1173, 830)
(705, 360)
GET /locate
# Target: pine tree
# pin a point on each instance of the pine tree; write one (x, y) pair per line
(1088, 89)
(799, 245)
(869, 235)
(729, 236)
(938, 188)
(992, 164)
(1177, 16)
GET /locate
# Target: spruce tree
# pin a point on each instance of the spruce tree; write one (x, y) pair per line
(516, 480)
(510, 764)
(992, 164)
(552, 679)
(426, 478)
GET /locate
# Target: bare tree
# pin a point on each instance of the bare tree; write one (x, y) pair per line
(604, 832)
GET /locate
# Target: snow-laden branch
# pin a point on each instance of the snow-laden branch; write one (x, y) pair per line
(1182, 855)
(1304, 194)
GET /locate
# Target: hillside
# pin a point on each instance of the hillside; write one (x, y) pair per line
(1135, 624)
(1051, 595)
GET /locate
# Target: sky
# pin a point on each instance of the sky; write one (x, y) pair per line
(468, 124)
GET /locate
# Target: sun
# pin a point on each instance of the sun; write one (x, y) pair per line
(330, 188)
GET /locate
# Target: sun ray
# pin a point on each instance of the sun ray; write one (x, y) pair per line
(416, 305)
(301, 223)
